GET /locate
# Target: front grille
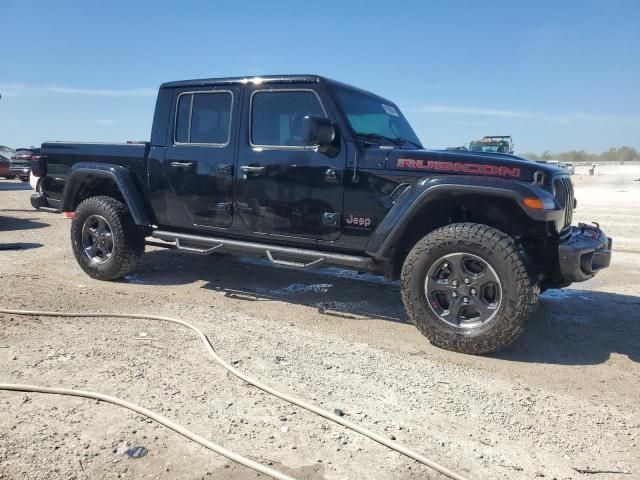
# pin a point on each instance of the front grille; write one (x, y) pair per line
(563, 191)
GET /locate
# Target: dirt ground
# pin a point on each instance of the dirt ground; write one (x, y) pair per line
(565, 396)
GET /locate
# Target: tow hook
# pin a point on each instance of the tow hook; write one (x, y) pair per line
(591, 229)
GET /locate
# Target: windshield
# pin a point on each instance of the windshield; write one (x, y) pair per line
(374, 117)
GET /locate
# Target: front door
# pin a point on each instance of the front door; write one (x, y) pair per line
(198, 163)
(285, 188)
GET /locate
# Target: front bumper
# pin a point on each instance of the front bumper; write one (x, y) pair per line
(583, 253)
(20, 171)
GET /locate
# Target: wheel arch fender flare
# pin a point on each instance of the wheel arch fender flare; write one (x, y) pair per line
(393, 225)
(121, 177)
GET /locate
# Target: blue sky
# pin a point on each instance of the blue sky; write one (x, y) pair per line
(556, 75)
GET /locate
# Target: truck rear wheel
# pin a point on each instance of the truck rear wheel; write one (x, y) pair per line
(467, 288)
(106, 242)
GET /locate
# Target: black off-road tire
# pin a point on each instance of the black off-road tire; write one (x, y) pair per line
(519, 289)
(128, 238)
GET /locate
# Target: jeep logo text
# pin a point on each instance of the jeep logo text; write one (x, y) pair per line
(359, 221)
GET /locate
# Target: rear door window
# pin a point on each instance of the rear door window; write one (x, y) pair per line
(203, 118)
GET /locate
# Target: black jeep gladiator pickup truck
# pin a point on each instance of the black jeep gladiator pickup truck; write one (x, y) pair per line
(308, 171)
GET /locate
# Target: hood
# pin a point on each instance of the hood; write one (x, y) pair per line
(468, 163)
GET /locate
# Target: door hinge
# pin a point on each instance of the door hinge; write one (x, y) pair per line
(331, 176)
(225, 170)
(330, 219)
(223, 208)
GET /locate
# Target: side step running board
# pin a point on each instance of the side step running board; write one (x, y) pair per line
(295, 257)
(291, 263)
(197, 251)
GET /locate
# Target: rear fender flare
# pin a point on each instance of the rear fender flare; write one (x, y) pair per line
(122, 179)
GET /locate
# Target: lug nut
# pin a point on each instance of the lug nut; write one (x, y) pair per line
(473, 291)
(455, 283)
(465, 300)
(466, 280)
(454, 294)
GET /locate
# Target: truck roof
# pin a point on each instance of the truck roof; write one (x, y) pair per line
(200, 82)
(294, 78)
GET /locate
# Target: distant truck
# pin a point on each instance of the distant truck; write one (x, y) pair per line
(307, 171)
(569, 166)
(493, 144)
(21, 162)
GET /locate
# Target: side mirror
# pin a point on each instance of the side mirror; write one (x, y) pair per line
(318, 131)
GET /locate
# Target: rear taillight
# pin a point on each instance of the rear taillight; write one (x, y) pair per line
(38, 165)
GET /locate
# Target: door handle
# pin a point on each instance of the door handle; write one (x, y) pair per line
(184, 165)
(251, 169)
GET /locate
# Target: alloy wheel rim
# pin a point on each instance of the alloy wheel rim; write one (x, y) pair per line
(463, 290)
(97, 239)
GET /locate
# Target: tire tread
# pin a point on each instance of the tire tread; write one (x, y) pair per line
(512, 254)
(128, 236)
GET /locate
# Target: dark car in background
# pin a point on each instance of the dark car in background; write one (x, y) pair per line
(6, 152)
(5, 161)
(21, 162)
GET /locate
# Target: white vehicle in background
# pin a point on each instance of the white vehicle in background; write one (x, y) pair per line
(33, 181)
(569, 166)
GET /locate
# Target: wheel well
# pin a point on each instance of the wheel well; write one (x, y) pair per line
(94, 185)
(498, 212)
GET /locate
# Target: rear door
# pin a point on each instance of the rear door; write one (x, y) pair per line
(285, 188)
(198, 162)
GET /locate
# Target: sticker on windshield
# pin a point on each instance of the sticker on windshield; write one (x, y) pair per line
(390, 110)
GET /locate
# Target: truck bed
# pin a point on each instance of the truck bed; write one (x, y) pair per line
(62, 156)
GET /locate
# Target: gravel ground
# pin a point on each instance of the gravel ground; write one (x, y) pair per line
(565, 396)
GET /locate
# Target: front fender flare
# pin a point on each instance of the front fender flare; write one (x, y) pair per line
(120, 175)
(392, 227)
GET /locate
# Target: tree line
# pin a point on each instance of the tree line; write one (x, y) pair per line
(622, 154)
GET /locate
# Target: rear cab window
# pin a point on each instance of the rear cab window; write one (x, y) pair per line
(203, 118)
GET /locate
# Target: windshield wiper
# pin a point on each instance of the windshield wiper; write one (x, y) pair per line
(377, 136)
(411, 142)
(397, 141)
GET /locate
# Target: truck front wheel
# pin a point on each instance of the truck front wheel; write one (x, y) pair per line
(106, 242)
(467, 288)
